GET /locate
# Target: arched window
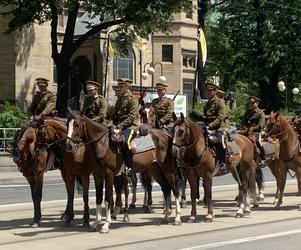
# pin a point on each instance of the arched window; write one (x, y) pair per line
(123, 66)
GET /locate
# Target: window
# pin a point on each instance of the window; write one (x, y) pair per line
(123, 66)
(167, 53)
(189, 61)
(188, 89)
(190, 11)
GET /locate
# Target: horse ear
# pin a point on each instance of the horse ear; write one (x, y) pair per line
(277, 115)
(182, 116)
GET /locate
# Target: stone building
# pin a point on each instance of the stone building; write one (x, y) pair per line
(26, 55)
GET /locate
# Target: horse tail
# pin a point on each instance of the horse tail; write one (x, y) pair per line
(79, 184)
(146, 180)
(252, 181)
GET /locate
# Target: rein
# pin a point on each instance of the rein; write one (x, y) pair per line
(186, 147)
(98, 139)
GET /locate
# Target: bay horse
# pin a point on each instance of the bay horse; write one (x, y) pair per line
(278, 127)
(159, 160)
(190, 146)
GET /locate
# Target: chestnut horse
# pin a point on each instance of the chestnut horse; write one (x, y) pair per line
(279, 128)
(190, 146)
(159, 160)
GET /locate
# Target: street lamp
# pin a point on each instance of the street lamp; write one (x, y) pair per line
(282, 88)
(151, 70)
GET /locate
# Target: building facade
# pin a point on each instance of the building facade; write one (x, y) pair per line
(26, 55)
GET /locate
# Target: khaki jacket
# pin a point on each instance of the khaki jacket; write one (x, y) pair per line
(126, 112)
(95, 108)
(43, 103)
(164, 108)
(253, 118)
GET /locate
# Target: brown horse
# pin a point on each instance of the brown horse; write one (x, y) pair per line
(190, 146)
(289, 157)
(25, 157)
(159, 160)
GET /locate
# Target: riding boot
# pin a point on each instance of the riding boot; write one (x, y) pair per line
(262, 157)
(128, 162)
(58, 160)
(222, 160)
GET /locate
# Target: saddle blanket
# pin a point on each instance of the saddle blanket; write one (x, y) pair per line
(142, 144)
(269, 148)
(233, 148)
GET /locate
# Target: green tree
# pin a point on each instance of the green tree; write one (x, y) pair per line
(256, 42)
(133, 18)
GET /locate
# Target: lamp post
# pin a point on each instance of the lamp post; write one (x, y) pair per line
(282, 87)
(151, 70)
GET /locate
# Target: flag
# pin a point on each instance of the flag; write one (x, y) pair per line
(110, 50)
(203, 43)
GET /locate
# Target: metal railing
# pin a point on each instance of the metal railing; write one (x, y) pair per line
(7, 137)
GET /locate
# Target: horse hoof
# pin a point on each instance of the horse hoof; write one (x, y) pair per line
(67, 224)
(113, 217)
(148, 210)
(247, 212)
(132, 206)
(277, 207)
(86, 225)
(126, 219)
(239, 215)
(164, 221)
(191, 220)
(255, 206)
(177, 223)
(209, 218)
(104, 231)
(34, 225)
(63, 216)
(236, 198)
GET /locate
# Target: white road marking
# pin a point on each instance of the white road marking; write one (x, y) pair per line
(243, 240)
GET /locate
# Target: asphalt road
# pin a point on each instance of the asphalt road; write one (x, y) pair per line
(264, 228)
(54, 188)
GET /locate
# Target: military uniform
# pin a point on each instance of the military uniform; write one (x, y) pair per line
(215, 114)
(43, 103)
(126, 112)
(126, 117)
(95, 108)
(164, 107)
(254, 119)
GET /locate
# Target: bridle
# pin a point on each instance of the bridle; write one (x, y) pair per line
(80, 140)
(276, 135)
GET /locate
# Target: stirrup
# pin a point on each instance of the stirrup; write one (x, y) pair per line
(262, 164)
(129, 171)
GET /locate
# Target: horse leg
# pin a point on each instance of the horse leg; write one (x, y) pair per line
(260, 182)
(68, 215)
(108, 202)
(118, 185)
(31, 181)
(134, 191)
(99, 198)
(275, 171)
(37, 199)
(147, 183)
(126, 203)
(208, 191)
(281, 185)
(192, 179)
(299, 185)
(181, 182)
(86, 216)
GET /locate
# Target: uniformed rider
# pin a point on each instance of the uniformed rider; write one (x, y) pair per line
(126, 118)
(164, 107)
(253, 120)
(95, 105)
(44, 100)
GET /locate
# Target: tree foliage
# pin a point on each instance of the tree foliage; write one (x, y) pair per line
(256, 42)
(131, 17)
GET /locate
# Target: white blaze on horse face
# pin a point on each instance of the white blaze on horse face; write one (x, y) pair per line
(70, 128)
(147, 111)
(175, 148)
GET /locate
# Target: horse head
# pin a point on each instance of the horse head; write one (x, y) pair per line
(272, 127)
(181, 135)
